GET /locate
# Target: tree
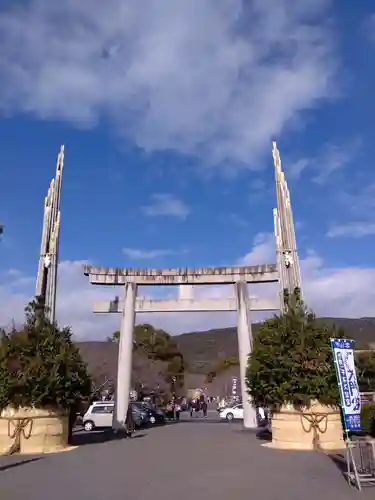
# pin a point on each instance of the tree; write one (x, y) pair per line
(158, 345)
(40, 366)
(220, 366)
(292, 361)
(365, 364)
(115, 337)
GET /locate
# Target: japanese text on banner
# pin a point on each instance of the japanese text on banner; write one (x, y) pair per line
(347, 380)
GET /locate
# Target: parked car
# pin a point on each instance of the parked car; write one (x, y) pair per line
(140, 416)
(100, 414)
(159, 411)
(152, 415)
(234, 412)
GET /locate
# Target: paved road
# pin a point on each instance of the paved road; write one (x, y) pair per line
(192, 459)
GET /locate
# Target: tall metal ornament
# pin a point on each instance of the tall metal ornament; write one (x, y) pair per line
(286, 245)
(49, 251)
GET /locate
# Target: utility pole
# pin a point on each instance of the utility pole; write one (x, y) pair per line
(49, 251)
(286, 246)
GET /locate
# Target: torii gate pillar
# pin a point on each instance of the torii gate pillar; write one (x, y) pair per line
(245, 340)
(125, 353)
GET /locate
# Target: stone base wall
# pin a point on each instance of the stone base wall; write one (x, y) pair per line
(316, 428)
(31, 430)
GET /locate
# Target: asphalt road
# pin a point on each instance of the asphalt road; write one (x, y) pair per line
(200, 459)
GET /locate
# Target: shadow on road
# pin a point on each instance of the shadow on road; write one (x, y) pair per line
(264, 435)
(339, 460)
(194, 420)
(96, 437)
(19, 462)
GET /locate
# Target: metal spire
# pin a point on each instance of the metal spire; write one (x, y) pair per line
(286, 246)
(49, 251)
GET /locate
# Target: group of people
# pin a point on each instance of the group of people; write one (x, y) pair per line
(198, 405)
(173, 410)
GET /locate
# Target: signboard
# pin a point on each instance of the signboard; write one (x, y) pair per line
(234, 386)
(343, 354)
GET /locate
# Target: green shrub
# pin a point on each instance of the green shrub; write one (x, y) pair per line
(40, 366)
(368, 418)
(365, 363)
(291, 360)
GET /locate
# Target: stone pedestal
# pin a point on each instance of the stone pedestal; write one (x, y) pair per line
(316, 428)
(32, 431)
(244, 349)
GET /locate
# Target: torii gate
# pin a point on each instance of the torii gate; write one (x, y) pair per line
(286, 272)
(130, 305)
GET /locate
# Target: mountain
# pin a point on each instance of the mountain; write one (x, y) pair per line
(201, 349)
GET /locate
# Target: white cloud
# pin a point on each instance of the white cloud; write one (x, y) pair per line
(214, 77)
(352, 230)
(263, 251)
(166, 204)
(331, 159)
(75, 299)
(357, 211)
(330, 291)
(360, 203)
(295, 169)
(340, 292)
(234, 219)
(138, 254)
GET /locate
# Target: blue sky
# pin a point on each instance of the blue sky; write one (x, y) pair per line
(168, 113)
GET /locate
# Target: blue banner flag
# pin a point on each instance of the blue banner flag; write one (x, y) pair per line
(343, 354)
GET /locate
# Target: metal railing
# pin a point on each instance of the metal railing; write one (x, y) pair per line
(360, 462)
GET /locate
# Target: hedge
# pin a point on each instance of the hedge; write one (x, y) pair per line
(368, 418)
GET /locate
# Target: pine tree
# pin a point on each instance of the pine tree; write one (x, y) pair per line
(291, 360)
(40, 366)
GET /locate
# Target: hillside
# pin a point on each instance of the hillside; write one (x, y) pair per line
(201, 349)
(101, 359)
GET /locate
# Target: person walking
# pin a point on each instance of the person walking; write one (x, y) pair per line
(129, 422)
(194, 407)
(177, 410)
(170, 411)
(190, 407)
(204, 408)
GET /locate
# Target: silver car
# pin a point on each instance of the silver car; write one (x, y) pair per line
(99, 415)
